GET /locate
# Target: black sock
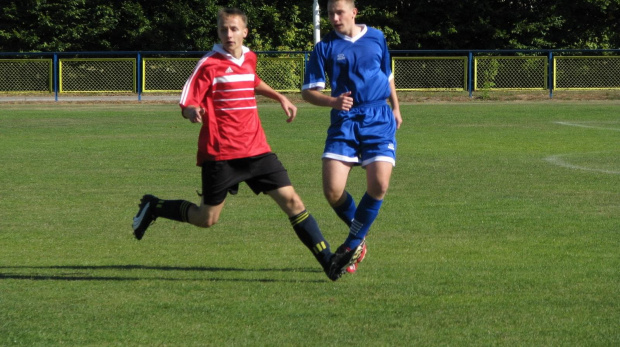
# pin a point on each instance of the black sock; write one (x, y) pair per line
(307, 229)
(173, 209)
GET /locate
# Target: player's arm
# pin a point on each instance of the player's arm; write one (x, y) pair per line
(343, 102)
(265, 90)
(194, 90)
(395, 105)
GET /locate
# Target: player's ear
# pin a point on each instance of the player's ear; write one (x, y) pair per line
(245, 33)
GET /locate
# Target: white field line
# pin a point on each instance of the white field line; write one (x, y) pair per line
(559, 161)
(581, 125)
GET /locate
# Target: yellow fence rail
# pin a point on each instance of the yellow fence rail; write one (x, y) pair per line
(166, 74)
(430, 73)
(586, 72)
(26, 75)
(284, 71)
(510, 73)
(97, 75)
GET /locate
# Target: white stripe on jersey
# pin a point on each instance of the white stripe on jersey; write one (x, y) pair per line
(234, 78)
(191, 77)
(220, 100)
(236, 108)
(232, 90)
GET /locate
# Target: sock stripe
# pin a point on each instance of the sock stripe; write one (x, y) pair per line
(355, 227)
(299, 218)
(319, 247)
(185, 205)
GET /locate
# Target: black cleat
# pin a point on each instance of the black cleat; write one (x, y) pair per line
(342, 259)
(145, 216)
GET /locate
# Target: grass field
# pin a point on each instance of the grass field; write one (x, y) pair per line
(501, 227)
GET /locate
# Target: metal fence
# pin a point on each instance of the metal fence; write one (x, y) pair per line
(525, 72)
(586, 72)
(457, 70)
(97, 75)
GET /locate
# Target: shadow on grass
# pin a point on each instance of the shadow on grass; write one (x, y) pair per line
(86, 277)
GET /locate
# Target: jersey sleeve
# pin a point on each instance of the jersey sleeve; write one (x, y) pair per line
(386, 63)
(314, 76)
(196, 86)
(257, 79)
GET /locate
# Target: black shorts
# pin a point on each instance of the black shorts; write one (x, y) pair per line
(262, 173)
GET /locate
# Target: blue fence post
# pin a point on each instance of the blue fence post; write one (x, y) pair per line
(55, 73)
(469, 74)
(304, 72)
(550, 73)
(138, 76)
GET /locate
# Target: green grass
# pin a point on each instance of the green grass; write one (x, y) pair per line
(501, 227)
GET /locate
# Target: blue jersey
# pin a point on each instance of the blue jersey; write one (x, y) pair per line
(360, 64)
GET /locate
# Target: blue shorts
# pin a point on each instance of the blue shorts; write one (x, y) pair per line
(363, 135)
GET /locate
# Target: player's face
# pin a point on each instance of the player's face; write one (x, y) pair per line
(231, 31)
(342, 16)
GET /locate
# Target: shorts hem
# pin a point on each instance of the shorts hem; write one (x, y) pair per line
(340, 157)
(379, 158)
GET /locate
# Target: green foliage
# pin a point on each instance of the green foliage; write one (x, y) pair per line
(275, 26)
(282, 74)
(53, 25)
(489, 73)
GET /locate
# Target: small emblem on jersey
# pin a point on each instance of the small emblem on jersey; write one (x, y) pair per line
(391, 146)
(229, 70)
(341, 57)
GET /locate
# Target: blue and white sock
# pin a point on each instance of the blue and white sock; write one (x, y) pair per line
(365, 215)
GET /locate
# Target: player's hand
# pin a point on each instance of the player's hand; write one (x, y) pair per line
(194, 114)
(344, 102)
(289, 109)
(398, 118)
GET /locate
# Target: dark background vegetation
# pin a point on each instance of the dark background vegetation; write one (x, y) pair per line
(189, 25)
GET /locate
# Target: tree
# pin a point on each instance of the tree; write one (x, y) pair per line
(190, 25)
(70, 25)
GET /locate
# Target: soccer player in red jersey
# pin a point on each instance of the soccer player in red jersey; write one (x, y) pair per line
(232, 147)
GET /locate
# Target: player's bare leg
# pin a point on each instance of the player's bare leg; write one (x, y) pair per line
(204, 216)
(335, 176)
(378, 176)
(151, 208)
(377, 182)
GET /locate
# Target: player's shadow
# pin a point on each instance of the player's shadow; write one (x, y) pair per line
(89, 273)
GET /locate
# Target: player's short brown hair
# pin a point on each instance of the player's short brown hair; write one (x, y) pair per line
(231, 11)
(351, 2)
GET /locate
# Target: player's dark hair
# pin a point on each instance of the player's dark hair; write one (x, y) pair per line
(231, 11)
(352, 2)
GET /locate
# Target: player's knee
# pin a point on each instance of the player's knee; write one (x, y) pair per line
(378, 191)
(295, 204)
(204, 219)
(332, 197)
(299, 204)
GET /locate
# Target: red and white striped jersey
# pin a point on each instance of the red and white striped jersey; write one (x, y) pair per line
(224, 87)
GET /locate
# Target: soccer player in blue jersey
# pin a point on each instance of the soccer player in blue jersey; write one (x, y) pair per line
(356, 60)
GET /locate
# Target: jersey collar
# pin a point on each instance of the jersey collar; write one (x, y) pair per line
(356, 37)
(219, 49)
